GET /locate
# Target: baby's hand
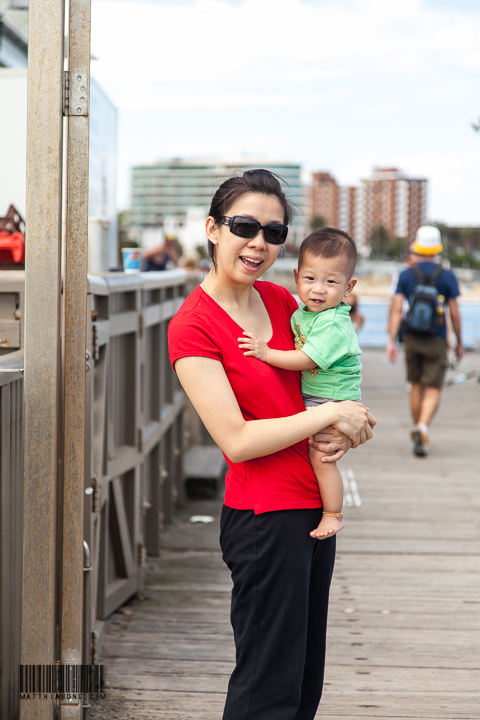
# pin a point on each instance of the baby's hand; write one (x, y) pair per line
(253, 345)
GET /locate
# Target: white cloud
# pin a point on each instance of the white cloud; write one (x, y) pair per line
(213, 47)
(338, 84)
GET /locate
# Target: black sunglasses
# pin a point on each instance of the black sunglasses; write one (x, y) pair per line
(245, 227)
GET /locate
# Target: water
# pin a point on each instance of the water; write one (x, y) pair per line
(375, 310)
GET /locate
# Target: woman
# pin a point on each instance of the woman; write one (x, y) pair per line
(254, 412)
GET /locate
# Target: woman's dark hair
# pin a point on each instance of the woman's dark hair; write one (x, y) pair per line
(329, 242)
(262, 182)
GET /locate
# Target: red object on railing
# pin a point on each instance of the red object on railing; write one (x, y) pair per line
(12, 247)
(12, 238)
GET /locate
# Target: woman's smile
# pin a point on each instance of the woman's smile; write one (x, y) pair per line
(251, 263)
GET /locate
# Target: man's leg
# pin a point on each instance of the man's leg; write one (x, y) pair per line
(429, 405)
(426, 360)
(424, 404)
(416, 397)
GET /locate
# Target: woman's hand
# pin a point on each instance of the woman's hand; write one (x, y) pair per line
(353, 429)
(254, 346)
(331, 443)
(355, 421)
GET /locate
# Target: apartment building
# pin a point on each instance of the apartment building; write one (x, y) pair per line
(394, 201)
(386, 198)
(325, 198)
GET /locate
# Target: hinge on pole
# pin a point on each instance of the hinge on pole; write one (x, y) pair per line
(66, 92)
(95, 488)
(141, 325)
(95, 347)
(93, 647)
(75, 93)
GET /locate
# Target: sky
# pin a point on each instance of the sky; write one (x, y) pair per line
(335, 85)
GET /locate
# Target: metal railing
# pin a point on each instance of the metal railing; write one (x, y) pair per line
(11, 528)
(133, 478)
(134, 430)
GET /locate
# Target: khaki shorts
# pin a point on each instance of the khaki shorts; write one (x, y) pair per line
(426, 359)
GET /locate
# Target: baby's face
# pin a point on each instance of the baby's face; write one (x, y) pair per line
(322, 283)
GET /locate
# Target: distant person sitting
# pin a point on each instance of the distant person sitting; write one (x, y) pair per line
(190, 260)
(163, 256)
(425, 284)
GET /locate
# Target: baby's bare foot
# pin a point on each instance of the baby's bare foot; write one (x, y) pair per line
(330, 524)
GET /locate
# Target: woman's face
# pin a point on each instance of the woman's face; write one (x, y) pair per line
(238, 259)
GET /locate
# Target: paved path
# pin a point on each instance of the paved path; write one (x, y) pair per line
(404, 624)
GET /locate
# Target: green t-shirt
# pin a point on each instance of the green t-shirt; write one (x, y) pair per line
(328, 338)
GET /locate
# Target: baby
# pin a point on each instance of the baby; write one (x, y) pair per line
(327, 350)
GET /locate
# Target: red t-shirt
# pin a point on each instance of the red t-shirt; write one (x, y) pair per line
(201, 328)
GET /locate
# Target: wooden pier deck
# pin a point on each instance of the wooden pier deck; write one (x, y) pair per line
(404, 623)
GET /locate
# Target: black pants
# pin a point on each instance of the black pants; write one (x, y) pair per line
(281, 581)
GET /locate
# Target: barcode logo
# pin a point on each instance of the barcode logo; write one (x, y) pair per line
(61, 679)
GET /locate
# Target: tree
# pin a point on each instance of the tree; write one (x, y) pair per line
(461, 245)
(317, 221)
(379, 241)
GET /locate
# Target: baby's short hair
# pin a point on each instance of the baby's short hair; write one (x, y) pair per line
(329, 242)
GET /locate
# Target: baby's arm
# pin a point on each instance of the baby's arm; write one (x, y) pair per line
(286, 359)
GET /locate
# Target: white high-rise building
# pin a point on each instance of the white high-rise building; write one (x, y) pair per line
(175, 194)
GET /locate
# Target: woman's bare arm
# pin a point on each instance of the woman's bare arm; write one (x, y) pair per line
(206, 384)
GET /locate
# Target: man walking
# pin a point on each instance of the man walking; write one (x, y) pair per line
(425, 352)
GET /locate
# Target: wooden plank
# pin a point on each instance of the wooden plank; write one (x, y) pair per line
(204, 469)
(121, 541)
(204, 461)
(119, 592)
(153, 494)
(123, 323)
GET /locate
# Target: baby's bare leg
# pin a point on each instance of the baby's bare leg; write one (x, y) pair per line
(331, 491)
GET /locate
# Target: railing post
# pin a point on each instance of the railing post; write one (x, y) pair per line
(75, 309)
(42, 336)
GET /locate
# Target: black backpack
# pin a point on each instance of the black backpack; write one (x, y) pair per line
(423, 311)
